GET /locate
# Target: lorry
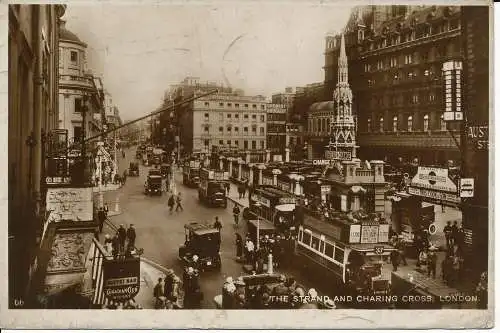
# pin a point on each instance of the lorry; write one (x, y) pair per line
(212, 187)
(191, 173)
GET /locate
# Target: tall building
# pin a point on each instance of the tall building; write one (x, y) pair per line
(395, 58)
(223, 120)
(80, 101)
(33, 97)
(276, 129)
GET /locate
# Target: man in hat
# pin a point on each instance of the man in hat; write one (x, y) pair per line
(236, 213)
(432, 262)
(169, 283)
(447, 234)
(122, 235)
(101, 217)
(281, 292)
(228, 290)
(108, 243)
(158, 293)
(131, 236)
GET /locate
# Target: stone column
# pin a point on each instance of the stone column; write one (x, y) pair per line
(298, 186)
(247, 157)
(250, 174)
(230, 163)
(276, 172)
(221, 164)
(268, 155)
(240, 163)
(287, 155)
(261, 168)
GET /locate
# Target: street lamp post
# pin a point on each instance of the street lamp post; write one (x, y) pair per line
(258, 205)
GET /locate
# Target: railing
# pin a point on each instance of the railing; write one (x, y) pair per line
(76, 78)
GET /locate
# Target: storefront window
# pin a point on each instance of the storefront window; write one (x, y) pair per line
(426, 123)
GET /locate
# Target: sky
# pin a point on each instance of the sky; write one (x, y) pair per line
(140, 50)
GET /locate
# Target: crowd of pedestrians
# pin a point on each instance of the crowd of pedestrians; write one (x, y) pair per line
(122, 244)
(167, 291)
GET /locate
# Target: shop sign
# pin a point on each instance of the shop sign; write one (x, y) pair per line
(369, 234)
(73, 204)
(478, 137)
(355, 233)
(121, 279)
(57, 180)
(338, 155)
(468, 236)
(433, 179)
(436, 195)
(286, 200)
(466, 187)
(383, 233)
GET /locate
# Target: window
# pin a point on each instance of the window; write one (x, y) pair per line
(229, 104)
(78, 105)
(237, 116)
(228, 142)
(205, 128)
(410, 123)
(426, 123)
(381, 124)
(380, 64)
(432, 97)
(246, 105)
(315, 243)
(236, 105)
(408, 59)
(254, 129)
(262, 118)
(245, 116)
(207, 104)
(229, 128)
(442, 123)
(236, 129)
(207, 143)
(74, 56)
(369, 125)
(306, 238)
(221, 104)
(395, 124)
(77, 133)
(254, 117)
(206, 116)
(245, 129)
(228, 116)
(262, 131)
(221, 142)
(245, 144)
(254, 106)
(236, 143)
(262, 145)
(221, 129)
(339, 254)
(426, 72)
(329, 250)
(254, 144)
(367, 67)
(263, 107)
(414, 99)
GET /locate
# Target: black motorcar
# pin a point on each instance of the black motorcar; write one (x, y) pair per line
(153, 185)
(133, 169)
(202, 241)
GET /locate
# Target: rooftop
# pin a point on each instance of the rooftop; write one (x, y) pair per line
(68, 36)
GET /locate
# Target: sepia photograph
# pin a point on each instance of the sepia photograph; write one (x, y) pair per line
(326, 156)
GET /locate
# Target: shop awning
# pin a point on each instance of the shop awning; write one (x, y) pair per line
(285, 207)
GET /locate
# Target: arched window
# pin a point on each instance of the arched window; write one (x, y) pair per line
(369, 125)
(410, 123)
(381, 124)
(426, 123)
(442, 123)
(395, 124)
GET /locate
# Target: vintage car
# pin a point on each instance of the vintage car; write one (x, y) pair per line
(133, 169)
(153, 185)
(202, 241)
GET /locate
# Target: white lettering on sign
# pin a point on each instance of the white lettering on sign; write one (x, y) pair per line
(57, 180)
(338, 155)
(355, 233)
(466, 187)
(434, 179)
(122, 281)
(434, 194)
(383, 233)
(369, 234)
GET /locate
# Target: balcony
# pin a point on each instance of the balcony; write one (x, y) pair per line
(428, 140)
(76, 81)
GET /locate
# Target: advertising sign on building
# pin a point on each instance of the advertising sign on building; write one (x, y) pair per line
(73, 204)
(355, 233)
(284, 186)
(369, 234)
(433, 179)
(267, 181)
(435, 195)
(286, 200)
(121, 279)
(338, 155)
(466, 187)
(383, 233)
(263, 201)
(478, 137)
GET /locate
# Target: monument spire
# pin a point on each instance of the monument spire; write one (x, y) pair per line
(343, 70)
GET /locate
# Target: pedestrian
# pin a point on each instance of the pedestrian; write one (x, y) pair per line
(239, 245)
(423, 257)
(217, 224)
(122, 235)
(179, 202)
(171, 203)
(401, 248)
(432, 262)
(169, 284)
(394, 260)
(106, 211)
(250, 248)
(108, 244)
(482, 291)
(158, 294)
(454, 232)
(228, 187)
(459, 239)
(448, 235)
(236, 213)
(131, 237)
(446, 268)
(116, 246)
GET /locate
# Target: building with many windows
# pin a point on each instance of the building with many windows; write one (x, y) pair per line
(33, 38)
(395, 56)
(224, 120)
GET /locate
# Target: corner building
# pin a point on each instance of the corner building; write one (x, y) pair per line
(396, 55)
